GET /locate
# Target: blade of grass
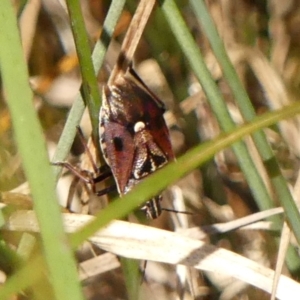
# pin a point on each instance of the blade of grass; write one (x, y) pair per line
(256, 184)
(76, 112)
(145, 242)
(131, 39)
(131, 271)
(174, 171)
(89, 87)
(31, 145)
(196, 61)
(248, 112)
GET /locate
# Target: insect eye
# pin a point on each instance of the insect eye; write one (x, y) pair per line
(118, 143)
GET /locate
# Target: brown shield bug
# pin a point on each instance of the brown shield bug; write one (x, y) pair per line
(134, 137)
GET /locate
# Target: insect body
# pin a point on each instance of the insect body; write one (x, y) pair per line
(134, 137)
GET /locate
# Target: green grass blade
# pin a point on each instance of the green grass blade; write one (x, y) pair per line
(76, 112)
(132, 276)
(248, 112)
(196, 61)
(176, 170)
(89, 87)
(31, 145)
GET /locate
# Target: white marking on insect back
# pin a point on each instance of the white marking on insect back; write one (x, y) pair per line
(139, 126)
(153, 165)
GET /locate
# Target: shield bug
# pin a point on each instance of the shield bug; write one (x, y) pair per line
(134, 137)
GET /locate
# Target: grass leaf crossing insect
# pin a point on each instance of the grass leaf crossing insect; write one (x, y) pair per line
(134, 137)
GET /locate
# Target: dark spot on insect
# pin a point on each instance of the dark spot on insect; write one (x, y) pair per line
(146, 167)
(159, 160)
(118, 143)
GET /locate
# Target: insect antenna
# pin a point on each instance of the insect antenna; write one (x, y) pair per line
(177, 211)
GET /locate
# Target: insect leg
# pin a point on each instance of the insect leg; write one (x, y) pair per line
(104, 172)
(106, 190)
(83, 175)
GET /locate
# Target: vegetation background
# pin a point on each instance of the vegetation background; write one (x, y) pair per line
(218, 66)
